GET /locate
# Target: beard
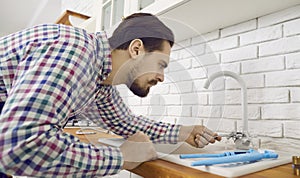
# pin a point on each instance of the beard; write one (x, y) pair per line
(139, 90)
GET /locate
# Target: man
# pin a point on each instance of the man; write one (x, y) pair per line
(50, 73)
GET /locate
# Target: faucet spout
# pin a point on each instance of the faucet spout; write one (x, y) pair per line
(243, 92)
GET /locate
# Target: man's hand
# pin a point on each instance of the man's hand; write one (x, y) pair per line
(197, 136)
(137, 149)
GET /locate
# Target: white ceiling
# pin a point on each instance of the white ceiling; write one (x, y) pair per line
(16, 15)
(189, 19)
(201, 16)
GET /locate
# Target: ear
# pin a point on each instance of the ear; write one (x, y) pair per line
(136, 48)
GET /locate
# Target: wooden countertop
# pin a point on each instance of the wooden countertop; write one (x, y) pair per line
(160, 168)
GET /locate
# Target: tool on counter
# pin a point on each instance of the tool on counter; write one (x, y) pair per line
(233, 157)
(228, 153)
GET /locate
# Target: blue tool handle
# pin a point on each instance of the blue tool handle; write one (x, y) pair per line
(228, 153)
(186, 156)
(249, 157)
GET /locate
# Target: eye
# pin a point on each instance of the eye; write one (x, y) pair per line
(162, 65)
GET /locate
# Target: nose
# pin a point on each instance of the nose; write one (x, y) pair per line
(160, 77)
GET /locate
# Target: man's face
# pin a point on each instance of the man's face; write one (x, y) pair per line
(150, 70)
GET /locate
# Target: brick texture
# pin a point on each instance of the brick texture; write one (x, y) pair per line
(264, 51)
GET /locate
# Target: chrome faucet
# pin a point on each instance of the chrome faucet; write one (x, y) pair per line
(241, 139)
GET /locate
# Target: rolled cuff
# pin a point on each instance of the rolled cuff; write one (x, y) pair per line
(113, 161)
(171, 136)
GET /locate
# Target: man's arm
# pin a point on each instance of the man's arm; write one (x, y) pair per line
(31, 142)
(117, 117)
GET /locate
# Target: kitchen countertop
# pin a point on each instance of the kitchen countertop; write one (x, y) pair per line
(161, 168)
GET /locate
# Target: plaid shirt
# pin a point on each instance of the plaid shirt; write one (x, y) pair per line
(48, 74)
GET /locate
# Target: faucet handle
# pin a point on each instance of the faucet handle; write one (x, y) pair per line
(241, 140)
(234, 135)
(243, 143)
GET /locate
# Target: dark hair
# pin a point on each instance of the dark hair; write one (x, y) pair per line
(143, 26)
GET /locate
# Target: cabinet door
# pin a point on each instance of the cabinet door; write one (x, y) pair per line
(112, 13)
(156, 7)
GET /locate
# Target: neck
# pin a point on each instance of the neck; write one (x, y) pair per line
(118, 74)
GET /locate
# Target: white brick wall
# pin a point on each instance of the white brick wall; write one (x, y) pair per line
(222, 44)
(268, 95)
(292, 27)
(206, 37)
(291, 129)
(184, 111)
(265, 52)
(237, 54)
(225, 97)
(281, 111)
(181, 87)
(293, 60)
(295, 95)
(205, 60)
(239, 28)
(253, 81)
(280, 46)
(261, 35)
(206, 111)
(281, 144)
(279, 17)
(235, 112)
(264, 64)
(283, 78)
(264, 128)
(220, 124)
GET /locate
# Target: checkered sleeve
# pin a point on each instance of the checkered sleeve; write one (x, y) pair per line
(37, 104)
(117, 117)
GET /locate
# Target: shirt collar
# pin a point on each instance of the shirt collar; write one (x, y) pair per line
(104, 56)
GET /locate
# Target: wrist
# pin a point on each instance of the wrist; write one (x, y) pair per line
(184, 132)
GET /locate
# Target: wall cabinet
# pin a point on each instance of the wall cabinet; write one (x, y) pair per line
(187, 18)
(112, 11)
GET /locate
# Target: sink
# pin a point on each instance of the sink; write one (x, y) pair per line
(184, 148)
(171, 153)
